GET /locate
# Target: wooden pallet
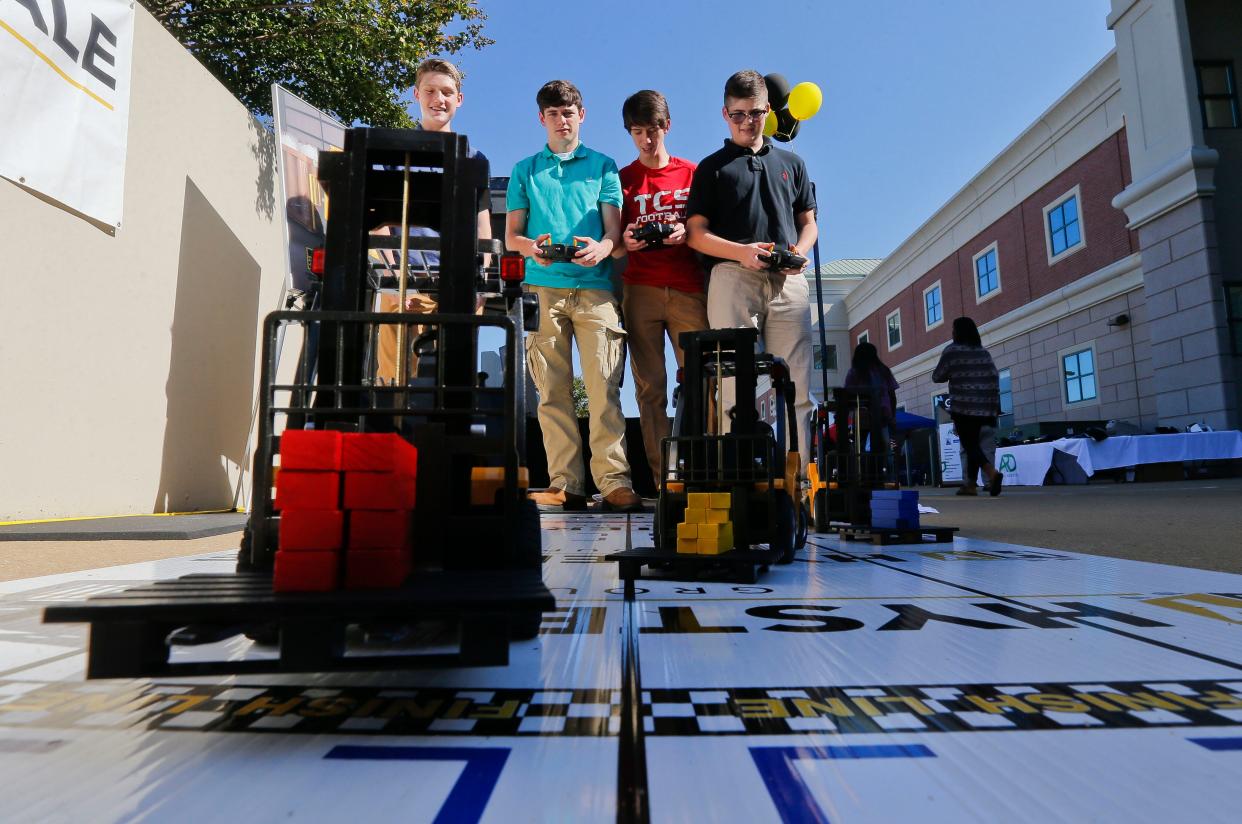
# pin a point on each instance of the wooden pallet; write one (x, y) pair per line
(882, 536)
(738, 566)
(130, 629)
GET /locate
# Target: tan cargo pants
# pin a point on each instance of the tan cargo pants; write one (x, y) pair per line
(651, 312)
(589, 317)
(779, 307)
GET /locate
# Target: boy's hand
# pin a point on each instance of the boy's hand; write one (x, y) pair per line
(796, 270)
(592, 251)
(632, 245)
(756, 256)
(534, 250)
(678, 235)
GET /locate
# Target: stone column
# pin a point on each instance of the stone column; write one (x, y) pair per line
(1170, 204)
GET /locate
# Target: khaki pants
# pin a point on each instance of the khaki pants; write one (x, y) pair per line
(779, 307)
(386, 346)
(650, 313)
(589, 317)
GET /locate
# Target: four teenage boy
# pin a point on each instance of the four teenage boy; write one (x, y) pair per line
(732, 209)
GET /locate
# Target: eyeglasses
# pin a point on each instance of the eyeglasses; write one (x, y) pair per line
(741, 117)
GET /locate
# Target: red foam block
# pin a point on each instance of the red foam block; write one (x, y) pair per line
(310, 449)
(379, 529)
(306, 489)
(303, 530)
(377, 569)
(379, 490)
(379, 452)
(306, 571)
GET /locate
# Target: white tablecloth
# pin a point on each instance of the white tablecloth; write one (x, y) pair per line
(1027, 465)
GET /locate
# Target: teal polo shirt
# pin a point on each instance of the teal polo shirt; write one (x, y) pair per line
(562, 199)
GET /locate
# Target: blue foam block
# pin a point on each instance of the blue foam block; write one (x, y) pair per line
(895, 495)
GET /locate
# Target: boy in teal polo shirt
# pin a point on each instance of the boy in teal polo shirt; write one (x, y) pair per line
(570, 194)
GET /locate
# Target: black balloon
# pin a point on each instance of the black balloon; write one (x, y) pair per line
(778, 90)
(787, 126)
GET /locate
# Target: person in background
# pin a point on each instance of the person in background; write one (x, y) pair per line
(868, 372)
(974, 401)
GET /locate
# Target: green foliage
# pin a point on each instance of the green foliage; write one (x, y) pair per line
(351, 58)
(580, 399)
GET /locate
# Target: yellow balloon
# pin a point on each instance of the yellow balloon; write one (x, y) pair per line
(769, 124)
(805, 100)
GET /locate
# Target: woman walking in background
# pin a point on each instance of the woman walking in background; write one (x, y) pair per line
(974, 400)
(867, 371)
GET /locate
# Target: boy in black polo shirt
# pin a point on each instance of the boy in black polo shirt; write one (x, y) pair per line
(747, 197)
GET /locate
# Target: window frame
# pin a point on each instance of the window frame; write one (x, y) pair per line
(1078, 348)
(1076, 193)
(991, 248)
(864, 335)
(888, 330)
(817, 354)
(940, 322)
(1002, 393)
(1231, 95)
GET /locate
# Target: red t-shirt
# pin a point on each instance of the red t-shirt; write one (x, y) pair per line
(659, 195)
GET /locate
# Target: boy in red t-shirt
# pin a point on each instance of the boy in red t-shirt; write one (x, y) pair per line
(663, 282)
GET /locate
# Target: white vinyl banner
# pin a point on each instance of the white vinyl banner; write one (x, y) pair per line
(64, 100)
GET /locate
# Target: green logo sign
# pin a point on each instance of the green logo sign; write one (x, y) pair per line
(1008, 463)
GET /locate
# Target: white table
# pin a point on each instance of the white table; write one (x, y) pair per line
(1027, 465)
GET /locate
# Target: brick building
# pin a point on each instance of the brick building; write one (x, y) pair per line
(1088, 251)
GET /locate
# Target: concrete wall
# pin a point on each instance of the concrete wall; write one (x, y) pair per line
(129, 363)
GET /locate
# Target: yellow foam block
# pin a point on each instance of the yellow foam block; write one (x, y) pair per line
(715, 538)
(697, 516)
(720, 500)
(716, 516)
(698, 500)
(705, 547)
(687, 546)
(688, 531)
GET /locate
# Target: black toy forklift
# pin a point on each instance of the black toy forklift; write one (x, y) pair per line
(477, 549)
(847, 467)
(752, 482)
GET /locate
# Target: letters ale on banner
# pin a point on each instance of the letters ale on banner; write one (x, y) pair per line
(64, 100)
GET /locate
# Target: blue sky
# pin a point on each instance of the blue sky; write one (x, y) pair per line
(918, 95)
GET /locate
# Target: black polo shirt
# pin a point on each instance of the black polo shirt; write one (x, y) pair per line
(750, 196)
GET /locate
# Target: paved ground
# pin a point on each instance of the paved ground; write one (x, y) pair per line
(1191, 523)
(1188, 523)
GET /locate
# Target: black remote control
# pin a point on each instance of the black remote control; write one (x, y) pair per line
(653, 233)
(779, 259)
(558, 252)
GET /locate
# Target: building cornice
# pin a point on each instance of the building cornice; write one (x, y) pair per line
(1187, 176)
(1117, 278)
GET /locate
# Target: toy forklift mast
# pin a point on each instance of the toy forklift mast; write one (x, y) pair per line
(473, 538)
(851, 465)
(746, 473)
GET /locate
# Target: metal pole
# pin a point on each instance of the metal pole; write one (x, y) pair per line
(823, 337)
(404, 271)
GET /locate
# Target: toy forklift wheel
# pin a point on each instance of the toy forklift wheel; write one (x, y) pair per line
(800, 533)
(821, 510)
(525, 626)
(786, 528)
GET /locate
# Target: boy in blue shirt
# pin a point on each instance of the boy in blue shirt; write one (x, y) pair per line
(570, 194)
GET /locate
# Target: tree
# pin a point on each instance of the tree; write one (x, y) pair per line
(580, 399)
(351, 58)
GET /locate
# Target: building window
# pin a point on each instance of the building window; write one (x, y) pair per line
(830, 362)
(893, 322)
(1078, 375)
(1233, 311)
(1063, 225)
(1006, 392)
(1218, 96)
(933, 306)
(864, 337)
(763, 410)
(987, 273)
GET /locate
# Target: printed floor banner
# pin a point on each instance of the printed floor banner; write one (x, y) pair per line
(64, 100)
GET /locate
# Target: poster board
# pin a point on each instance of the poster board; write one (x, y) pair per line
(64, 102)
(302, 131)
